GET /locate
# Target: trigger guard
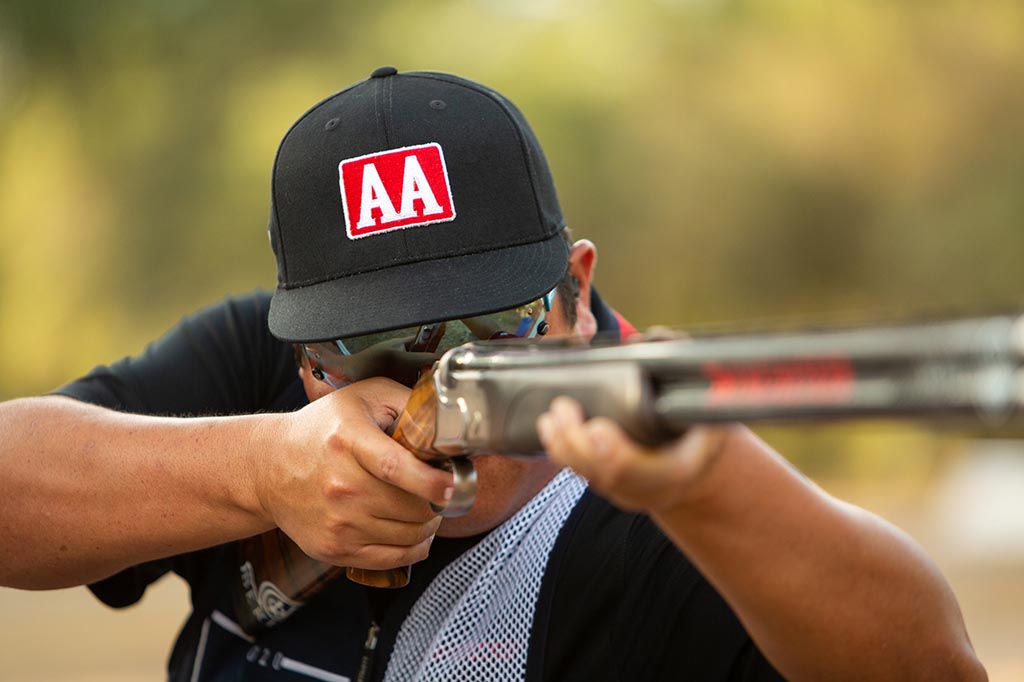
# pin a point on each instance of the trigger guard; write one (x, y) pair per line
(464, 475)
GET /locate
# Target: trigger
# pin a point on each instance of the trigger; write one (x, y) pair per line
(464, 475)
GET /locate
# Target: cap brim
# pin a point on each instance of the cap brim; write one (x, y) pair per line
(417, 293)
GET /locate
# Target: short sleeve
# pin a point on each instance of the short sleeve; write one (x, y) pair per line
(694, 629)
(220, 360)
(624, 603)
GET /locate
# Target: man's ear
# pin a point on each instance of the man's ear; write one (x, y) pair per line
(582, 260)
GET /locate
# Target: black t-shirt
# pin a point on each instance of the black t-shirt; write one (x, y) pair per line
(618, 601)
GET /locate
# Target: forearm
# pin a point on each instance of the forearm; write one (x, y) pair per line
(89, 491)
(827, 590)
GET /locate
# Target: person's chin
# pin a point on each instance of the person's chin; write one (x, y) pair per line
(464, 527)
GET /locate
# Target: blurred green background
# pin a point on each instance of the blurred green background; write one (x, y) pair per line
(731, 159)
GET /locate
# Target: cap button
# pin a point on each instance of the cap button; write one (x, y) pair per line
(383, 72)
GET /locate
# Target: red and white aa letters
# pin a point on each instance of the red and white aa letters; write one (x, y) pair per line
(395, 189)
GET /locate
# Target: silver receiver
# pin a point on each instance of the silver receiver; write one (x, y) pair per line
(478, 411)
(488, 411)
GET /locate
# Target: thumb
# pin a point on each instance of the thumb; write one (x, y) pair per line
(383, 399)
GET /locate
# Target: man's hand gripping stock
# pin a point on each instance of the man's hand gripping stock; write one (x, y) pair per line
(356, 497)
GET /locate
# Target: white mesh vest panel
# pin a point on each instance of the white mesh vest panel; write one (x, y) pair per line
(473, 621)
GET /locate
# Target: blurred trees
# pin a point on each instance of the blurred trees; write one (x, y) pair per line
(732, 159)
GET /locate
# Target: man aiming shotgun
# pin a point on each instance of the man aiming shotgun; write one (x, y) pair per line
(406, 200)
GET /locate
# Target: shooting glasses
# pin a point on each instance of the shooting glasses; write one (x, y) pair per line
(400, 354)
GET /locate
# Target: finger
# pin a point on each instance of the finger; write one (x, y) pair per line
(376, 452)
(377, 531)
(389, 503)
(612, 459)
(611, 462)
(560, 431)
(384, 399)
(381, 557)
(576, 438)
(598, 450)
(391, 463)
(638, 477)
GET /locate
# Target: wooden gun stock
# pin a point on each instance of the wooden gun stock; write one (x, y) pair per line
(277, 576)
(414, 430)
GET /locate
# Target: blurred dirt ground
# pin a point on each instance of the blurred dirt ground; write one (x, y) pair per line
(69, 636)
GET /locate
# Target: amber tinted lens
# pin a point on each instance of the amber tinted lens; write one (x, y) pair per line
(357, 344)
(521, 321)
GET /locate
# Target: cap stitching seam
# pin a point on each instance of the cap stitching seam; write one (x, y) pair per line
(283, 274)
(502, 104)
(391, 139)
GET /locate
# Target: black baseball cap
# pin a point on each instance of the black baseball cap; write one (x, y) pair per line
(409, 198)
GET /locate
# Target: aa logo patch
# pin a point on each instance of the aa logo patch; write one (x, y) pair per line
(395, 190)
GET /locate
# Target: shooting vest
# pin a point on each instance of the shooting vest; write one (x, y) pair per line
(473, 621)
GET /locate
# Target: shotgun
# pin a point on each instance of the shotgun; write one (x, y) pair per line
(486, 397)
